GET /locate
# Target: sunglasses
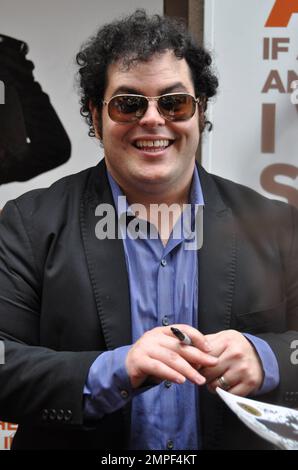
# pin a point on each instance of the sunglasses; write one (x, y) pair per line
(131, 108)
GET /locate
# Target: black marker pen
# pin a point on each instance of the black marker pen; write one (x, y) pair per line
(181, 336)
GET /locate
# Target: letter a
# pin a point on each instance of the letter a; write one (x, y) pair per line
(281, 13)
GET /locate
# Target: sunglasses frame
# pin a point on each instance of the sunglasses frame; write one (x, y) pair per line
(151, 98)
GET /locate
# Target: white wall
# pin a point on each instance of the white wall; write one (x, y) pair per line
(54, 30)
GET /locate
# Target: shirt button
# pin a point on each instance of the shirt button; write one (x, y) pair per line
(165, 321)
(124, 394)
(170, 445)
(168, 384)
(163, 262)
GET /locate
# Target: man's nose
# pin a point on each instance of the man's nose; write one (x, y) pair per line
(152, 116)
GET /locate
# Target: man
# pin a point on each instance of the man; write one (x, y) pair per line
(91, 360)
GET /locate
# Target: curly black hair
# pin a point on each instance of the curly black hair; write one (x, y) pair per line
(133, 39)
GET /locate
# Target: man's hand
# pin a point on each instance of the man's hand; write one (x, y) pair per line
(238, 363)
(158, 354)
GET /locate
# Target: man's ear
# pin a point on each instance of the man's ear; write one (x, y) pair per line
(95, 119)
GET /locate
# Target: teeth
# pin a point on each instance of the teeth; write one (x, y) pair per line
(152, 143)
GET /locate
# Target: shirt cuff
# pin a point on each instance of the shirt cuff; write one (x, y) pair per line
(269, 364)
(108, 385)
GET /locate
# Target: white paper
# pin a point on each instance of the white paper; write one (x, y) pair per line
(277, 424)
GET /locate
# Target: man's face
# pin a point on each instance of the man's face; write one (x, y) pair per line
(129, 154)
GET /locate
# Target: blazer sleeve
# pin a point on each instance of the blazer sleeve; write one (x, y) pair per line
(37, 385)
(284, 344)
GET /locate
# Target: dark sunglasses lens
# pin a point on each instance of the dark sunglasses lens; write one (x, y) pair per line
(127, 108)
(177, 107)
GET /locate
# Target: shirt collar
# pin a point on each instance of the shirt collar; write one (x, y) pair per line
(122, 206)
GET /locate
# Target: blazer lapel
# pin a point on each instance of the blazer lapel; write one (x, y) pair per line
(217, 260)
(106, 264)
(217, 272)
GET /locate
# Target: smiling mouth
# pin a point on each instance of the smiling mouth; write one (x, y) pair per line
(153, 145)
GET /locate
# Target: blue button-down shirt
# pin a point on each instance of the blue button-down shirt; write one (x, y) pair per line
(163, 290)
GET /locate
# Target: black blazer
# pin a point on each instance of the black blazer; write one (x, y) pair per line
(64, 297)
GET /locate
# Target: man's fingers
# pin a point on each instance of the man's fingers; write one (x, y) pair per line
(217, 344)
(211, 373)
(224, 381)
(191, 354)
(158, 351)
(197, 358)
(176, 362)
(157, 369)
(197, 338)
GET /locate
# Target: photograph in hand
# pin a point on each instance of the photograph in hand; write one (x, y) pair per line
(277, 424)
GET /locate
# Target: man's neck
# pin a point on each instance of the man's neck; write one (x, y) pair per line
(167, 197)
(151, 204)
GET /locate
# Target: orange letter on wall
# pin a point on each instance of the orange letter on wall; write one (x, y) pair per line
(281, 13)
